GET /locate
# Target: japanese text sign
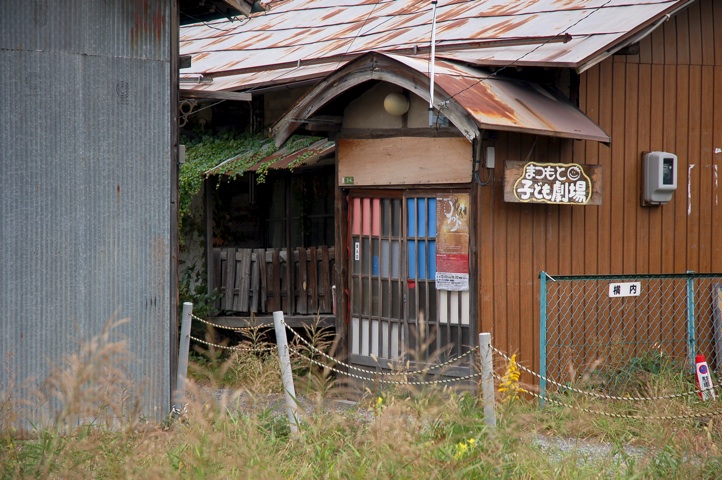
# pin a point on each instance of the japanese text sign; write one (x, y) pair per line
(626, 289)
(554, 183)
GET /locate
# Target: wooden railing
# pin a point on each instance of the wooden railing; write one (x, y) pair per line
(258, 280)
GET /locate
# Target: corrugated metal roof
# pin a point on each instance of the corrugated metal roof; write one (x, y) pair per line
(469, 97)
(298, 31)
(288, 157)
(508, 104)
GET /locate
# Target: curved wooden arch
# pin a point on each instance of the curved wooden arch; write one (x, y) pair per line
(373, 66)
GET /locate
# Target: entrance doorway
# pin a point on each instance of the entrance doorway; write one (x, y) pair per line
(397, 313)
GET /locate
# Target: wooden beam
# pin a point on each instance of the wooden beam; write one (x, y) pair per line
(241, 6)
(217, 95)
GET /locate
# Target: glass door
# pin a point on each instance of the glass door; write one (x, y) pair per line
(396, 311)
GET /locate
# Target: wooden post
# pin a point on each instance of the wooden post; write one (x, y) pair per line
(487, 378)
(185, 341)
(286, 374)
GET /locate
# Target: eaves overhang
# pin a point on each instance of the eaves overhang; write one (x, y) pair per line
(472, 99)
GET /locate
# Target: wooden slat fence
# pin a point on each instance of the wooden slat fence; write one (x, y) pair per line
(257, 280)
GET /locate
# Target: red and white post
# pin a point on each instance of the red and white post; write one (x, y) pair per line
(704, 379)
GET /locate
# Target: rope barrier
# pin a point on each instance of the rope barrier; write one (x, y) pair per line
(235, 329)
(393, 382)
(240, 349)
(617, 415)
(374, 376)
(372, 372)
(595, 394)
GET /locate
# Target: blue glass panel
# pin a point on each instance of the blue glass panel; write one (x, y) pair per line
(375, 257)
(421, 210)
(411, 248)
(432, 259)
(432, 217)
(422, 259)
(411, 216)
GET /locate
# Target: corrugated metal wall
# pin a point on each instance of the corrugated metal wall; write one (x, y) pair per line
(669, 97)
(85, 184)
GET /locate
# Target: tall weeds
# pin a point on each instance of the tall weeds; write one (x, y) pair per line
(234, 427)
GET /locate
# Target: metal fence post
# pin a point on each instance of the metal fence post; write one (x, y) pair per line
(691, 341)
(542, 336)
(184, 346)
(286, 373)
(487, 378)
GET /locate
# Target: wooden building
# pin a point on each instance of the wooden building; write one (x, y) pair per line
(415, 190)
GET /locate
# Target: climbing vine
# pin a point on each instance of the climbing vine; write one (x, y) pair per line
(242, 150)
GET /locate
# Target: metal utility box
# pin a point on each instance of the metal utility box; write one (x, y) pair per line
(659, 177)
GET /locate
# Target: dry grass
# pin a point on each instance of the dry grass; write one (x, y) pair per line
(235, 427)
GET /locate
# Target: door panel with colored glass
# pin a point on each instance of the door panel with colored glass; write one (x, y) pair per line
(396, 311)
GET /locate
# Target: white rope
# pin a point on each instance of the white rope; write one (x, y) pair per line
(394, 382)
(595, 394)
(373, 372)
(235, 329)
(618, 415)
(226, 347)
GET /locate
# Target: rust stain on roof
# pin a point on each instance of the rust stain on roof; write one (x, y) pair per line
(506, 26)
(510, 8)
(314, 29)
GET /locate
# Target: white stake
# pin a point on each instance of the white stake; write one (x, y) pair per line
(286, 374)
(487, 378)
(183, 347)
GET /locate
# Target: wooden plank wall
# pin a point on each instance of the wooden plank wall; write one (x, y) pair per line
(668, 97)
(256, 280)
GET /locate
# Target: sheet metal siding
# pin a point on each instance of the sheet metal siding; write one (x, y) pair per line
(85, 179)
(668, 98)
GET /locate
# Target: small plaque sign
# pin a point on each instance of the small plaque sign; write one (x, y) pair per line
(627, 289)
(554, 183)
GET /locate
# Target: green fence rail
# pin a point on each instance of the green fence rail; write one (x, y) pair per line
(604, 331)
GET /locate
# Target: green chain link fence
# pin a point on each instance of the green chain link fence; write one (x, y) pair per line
(603, 330)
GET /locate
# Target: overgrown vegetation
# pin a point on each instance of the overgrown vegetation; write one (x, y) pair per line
(204, 151)
(235, 427)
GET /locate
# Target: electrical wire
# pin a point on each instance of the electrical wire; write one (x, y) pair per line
(231, 19)
(511, 64)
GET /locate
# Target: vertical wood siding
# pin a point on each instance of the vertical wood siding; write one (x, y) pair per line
(668, 97)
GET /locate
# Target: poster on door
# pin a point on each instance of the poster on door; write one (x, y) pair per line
(452, 241)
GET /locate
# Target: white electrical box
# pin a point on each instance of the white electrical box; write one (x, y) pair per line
(659, 177)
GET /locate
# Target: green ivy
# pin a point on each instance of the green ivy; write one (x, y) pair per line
(245, 150)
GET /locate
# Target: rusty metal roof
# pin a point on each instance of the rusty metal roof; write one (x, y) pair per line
(300, 39)
(471, 98)
(286, 158)
(502, 103)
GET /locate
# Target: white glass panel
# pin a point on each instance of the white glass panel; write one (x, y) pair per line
(443, 306)
(375, 337)
(454, 303)
(354, 336)
(395, 341)
(465, 313)
(364, 337)
(385, 339)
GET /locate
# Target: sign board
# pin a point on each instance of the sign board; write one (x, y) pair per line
(452, 242)
(627, 289)
(553, 183)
